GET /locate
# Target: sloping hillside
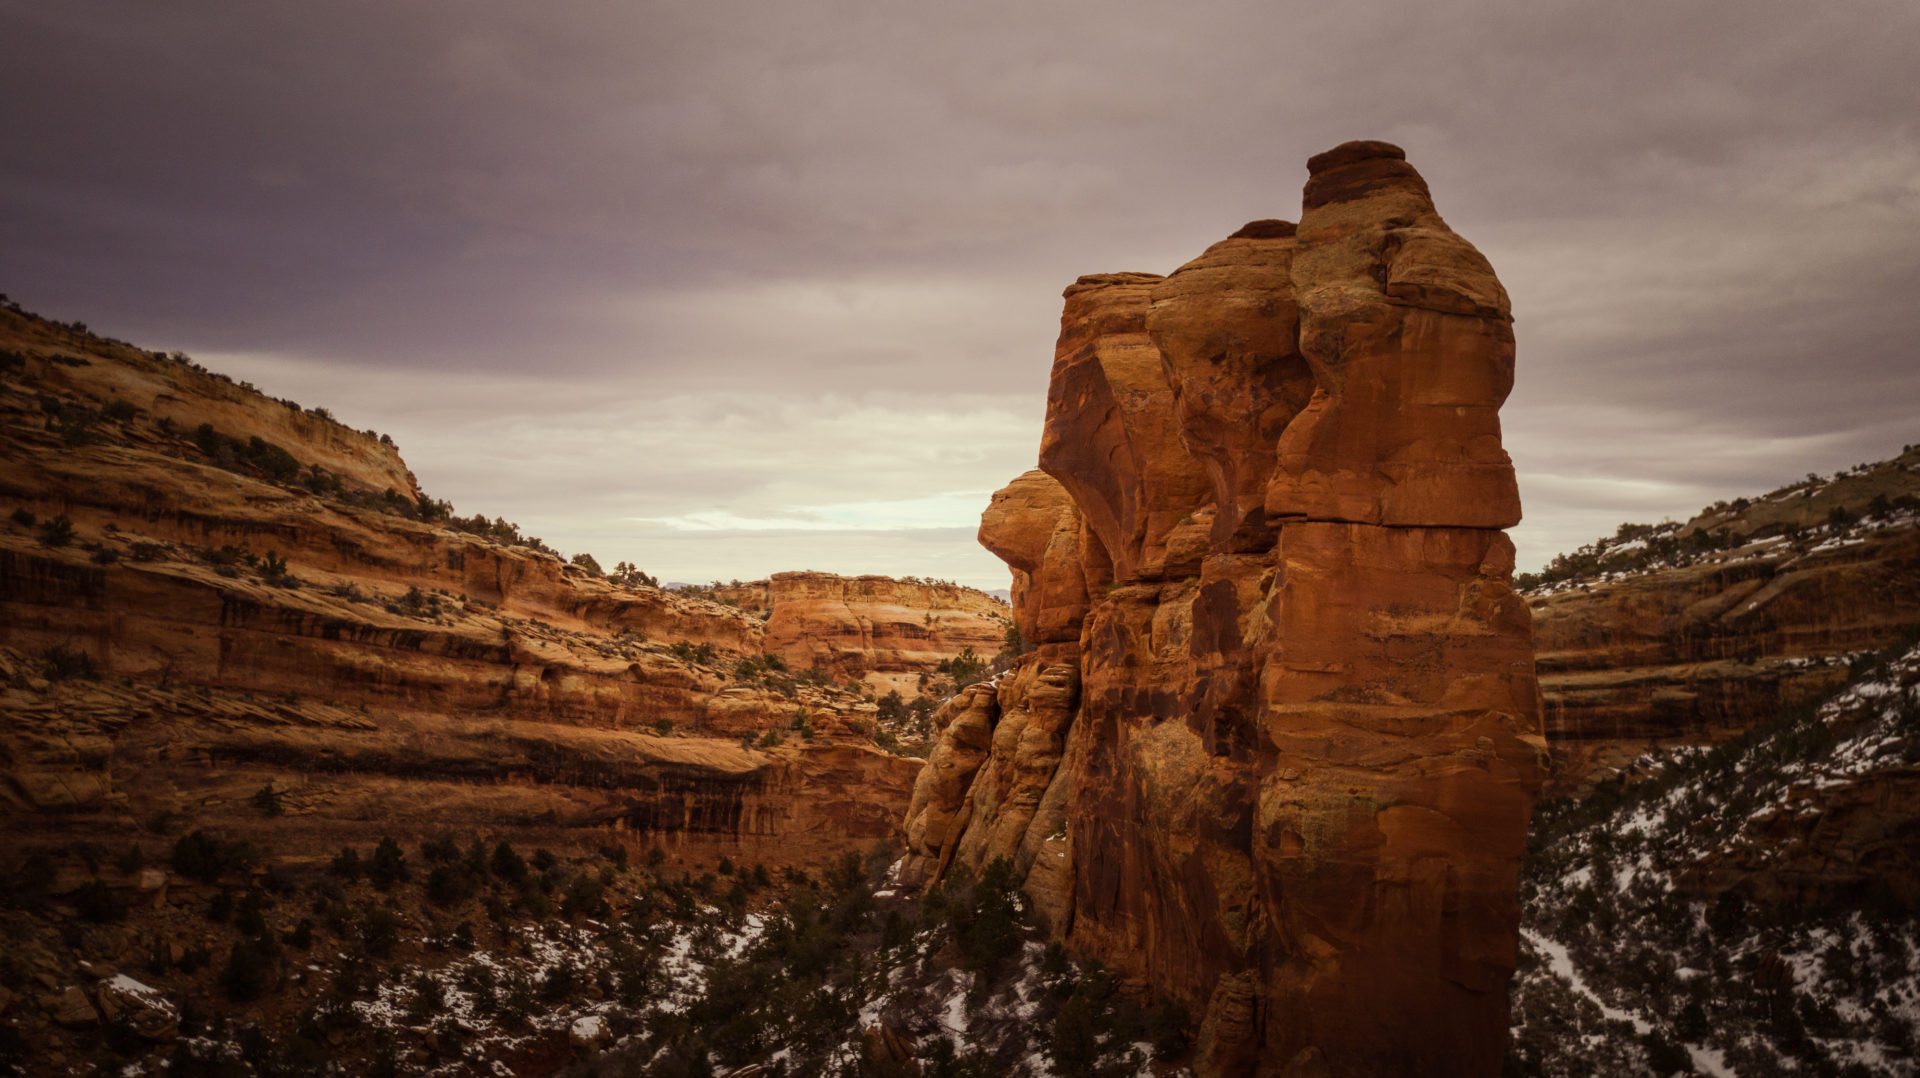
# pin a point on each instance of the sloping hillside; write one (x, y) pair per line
(1678, 634)
(1748, 909)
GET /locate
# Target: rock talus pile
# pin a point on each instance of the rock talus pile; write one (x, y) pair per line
(1276, 745)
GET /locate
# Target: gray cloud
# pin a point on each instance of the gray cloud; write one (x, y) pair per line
(602, 265)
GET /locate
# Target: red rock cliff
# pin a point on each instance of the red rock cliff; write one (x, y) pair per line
(188, 615)
(1689, 634)
(876, 629)
(1276, 747)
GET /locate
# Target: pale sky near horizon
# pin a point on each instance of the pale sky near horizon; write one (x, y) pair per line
(729, 288)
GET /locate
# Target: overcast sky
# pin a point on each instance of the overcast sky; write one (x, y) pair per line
(725, 288)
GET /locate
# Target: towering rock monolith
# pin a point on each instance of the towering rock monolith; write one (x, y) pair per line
(1276, 749)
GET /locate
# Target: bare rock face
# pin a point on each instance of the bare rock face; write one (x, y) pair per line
(884, 631)
(1033, 526)
(1763, 616)
(939, 812)
(1112, 437)
(1410, 339)
(1295, 742)
(1401, 699)
(1228, 332)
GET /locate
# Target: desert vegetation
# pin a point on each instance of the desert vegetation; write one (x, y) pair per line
(1799, 517)
(470, 952)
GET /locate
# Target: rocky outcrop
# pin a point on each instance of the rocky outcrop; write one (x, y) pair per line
(1032, 525)
(1276, 749)
(190, 614)
(1690, 634)
(1850, 841)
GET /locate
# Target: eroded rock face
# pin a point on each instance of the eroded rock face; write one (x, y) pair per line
(1401, 700)
(1112, 436)
(1033, 526)
(1634, 659)
(232, 616)
(1228, 331)
(1410, 339)
(941, 809)
(1295, 741)
(878, 629)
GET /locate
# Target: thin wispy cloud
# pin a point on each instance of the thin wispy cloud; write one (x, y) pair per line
(935, 511)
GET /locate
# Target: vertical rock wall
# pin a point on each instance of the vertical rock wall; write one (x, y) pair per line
(1276, 749)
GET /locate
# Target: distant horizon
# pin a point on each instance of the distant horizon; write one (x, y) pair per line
(886, 539)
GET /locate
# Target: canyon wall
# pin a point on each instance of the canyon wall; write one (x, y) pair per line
(1274, 749)
(883, 632)
(205, 593)
(1695, 632)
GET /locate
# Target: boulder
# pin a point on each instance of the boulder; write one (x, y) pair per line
(71, 1008)
(145, 1009)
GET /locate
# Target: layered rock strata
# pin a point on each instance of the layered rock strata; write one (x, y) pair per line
(1275, 749)
(205, 593)
(1759, 610)
(875, 629)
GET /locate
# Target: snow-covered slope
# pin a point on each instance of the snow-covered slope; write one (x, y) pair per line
(1750, 909)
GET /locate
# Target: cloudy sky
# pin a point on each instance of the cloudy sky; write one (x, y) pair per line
(723, 288)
